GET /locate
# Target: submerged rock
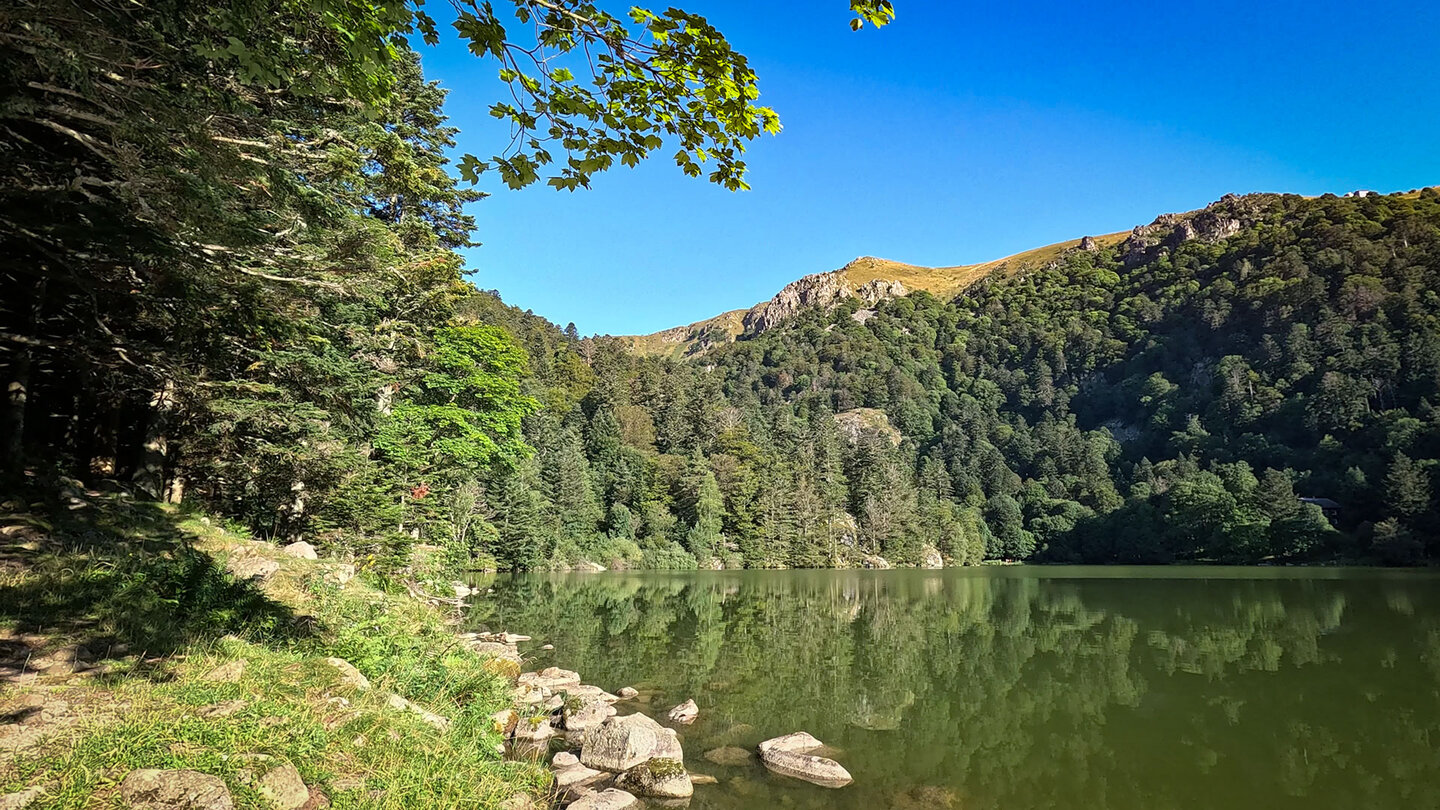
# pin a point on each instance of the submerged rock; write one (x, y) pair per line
(175, 790)
(685, 713)
(729, 756)
(791, 755)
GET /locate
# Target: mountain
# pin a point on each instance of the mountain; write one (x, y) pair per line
(867, 277)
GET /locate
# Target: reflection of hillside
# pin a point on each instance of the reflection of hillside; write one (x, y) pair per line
(1018, 691)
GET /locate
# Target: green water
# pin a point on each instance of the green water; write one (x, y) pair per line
(1025, 688)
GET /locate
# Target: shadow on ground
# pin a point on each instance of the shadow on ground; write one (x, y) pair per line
(115, 579)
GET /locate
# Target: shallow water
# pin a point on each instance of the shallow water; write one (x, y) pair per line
(1022, 688)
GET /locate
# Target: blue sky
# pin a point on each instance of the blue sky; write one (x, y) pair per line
(961, 133)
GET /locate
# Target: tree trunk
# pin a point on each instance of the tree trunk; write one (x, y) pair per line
(150, 474)
(17, 394)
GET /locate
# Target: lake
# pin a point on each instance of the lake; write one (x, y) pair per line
(1019, 688)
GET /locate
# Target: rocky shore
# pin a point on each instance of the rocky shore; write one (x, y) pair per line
(606, 754)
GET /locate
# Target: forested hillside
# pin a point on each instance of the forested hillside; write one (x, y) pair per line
(230, 280)
(1171, 397)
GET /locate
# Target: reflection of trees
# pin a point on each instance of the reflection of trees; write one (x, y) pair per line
(1016, 691)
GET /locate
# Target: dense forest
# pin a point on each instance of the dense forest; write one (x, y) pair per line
(231, 281)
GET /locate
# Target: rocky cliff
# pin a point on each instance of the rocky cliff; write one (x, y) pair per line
(822, 290)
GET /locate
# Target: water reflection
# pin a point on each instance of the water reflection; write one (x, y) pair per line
(1025, 688)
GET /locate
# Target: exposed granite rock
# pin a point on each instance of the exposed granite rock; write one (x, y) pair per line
(792, 755)
(658, 779)
(685, 713)
(430, 718)
(22, 799)
(620, 743)
(277, 780)
(930, 557)
(175, 790)
(249, 567)
(611, 799)
(349, 676)
(552, 679)
(301, 550)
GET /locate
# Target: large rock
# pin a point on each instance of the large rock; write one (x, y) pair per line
(251, 567)
(791, 756)
(685, 713)
(301, 550)
(628, 693)
(588, 715)
(174, 790)
(658, 779)
(552, 679)
(611, 799)
(930, 557)
(620, 743)
(575, 780)
(277, 780)
(349, 676)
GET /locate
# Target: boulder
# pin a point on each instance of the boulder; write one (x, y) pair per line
(628, 693)
(685, 713)
(620, 743)
(251, 567)
(552, 679)
(587, 567)
(174, 790)
(339, 573)
(790, 756)
(930, 557)
(611, 799)
(564, 759)
(534, 729)
(495, 649)
(461, 590)
(588, 693)
(588, 715)
(658, 779)
(574, 781)
(301, 550)
(275, 779)
(349, 676)
(703, 779)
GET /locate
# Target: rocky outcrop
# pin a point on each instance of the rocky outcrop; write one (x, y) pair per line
(553, 679)
(174, 790)
(819, 290)
(248, 567)
(860, 423)
(930, 557)
(1217, 222)
(794, 755)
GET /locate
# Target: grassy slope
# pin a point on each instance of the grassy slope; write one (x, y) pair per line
(146, 585)
(942, 282)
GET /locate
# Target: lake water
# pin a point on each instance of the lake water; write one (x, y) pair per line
(1020, 688)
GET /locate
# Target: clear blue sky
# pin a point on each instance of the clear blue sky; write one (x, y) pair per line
(964, 132)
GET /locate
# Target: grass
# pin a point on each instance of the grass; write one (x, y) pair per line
(149, 580)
